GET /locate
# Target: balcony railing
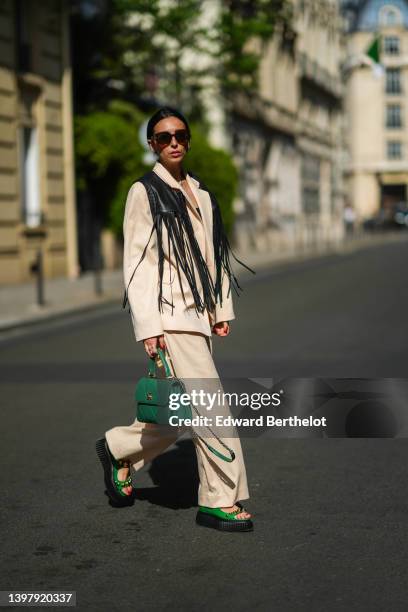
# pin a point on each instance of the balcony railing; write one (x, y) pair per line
(311, 70)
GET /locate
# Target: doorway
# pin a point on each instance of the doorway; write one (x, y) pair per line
(391, 195)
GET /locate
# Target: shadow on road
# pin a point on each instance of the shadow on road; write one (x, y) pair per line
(175, 475)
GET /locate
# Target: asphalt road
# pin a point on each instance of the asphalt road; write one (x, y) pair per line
(330, 514)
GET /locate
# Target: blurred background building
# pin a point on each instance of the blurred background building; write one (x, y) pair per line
(297, 109)
(376, 76)
(288, 140)
(37, 204)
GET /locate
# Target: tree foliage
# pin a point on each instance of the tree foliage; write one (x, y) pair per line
(132, 59)
(243, 29)
(139, 41)
(110, 158)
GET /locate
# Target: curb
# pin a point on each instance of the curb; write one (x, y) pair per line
(52, 317)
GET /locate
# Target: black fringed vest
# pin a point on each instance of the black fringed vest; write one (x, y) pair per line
(168, 206)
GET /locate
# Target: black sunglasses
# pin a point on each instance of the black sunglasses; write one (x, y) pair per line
(163, 139)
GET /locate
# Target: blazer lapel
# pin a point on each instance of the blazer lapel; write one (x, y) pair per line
(204, 202)
(164, 174)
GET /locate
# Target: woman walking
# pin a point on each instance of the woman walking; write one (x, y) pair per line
(178, 285)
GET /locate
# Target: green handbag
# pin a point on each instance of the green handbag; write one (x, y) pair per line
(152, 396)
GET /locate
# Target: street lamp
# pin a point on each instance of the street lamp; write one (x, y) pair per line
(36, 235)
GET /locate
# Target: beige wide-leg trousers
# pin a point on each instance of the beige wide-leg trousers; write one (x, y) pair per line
(221, 483)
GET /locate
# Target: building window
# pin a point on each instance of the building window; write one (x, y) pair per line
(393, 81)
(389, 16)
(29, 156)
(30, 187)
(394, 116)
(23, 36)
(311, 184)
(394, 149)
(391, 45)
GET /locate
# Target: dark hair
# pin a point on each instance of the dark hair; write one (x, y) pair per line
(162, 113)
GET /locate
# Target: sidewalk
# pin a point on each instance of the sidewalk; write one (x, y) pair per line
(64, 296)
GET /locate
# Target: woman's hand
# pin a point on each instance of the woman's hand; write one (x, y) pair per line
(151, 344)
(221, 329)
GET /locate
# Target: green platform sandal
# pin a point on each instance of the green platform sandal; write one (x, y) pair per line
(223, 521)
(111, 466)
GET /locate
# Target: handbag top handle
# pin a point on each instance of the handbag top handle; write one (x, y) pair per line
(153, 364)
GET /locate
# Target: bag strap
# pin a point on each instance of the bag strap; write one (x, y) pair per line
(153, 364)
(217, 453)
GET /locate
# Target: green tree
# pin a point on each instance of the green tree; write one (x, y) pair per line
(244, 28)
(109, 157)
(139, 37)
(136, 38)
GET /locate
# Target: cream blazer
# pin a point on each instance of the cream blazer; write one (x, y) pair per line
(143, 290)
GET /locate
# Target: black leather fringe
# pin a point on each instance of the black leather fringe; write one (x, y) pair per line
(184, 249)
(222, 249)
(222, 252)
(187, 256)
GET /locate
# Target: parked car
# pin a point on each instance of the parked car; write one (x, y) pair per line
(401, 214)
(393, 218)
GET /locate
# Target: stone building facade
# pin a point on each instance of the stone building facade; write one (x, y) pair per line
(376, 105)
(288, 140)
(37, 195)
